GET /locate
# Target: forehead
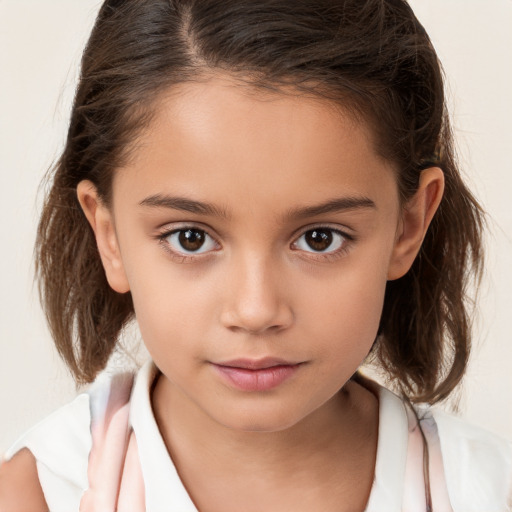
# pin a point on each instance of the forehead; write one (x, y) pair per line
(228, 141)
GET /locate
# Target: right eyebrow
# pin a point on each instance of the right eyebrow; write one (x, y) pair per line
(184, 204)
(332, 206)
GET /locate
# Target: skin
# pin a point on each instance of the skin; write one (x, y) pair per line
(257, 289)
(20, 490)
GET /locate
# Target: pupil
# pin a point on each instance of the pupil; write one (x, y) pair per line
(191, 240)
(319, 239)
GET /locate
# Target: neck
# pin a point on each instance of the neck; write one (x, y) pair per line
(320, 450)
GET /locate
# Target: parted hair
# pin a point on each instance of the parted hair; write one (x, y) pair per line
(372, 57)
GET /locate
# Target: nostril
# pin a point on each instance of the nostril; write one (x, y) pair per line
(255, 300)
(256, 321)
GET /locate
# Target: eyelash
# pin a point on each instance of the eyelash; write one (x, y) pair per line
(183, 257)
(346, 243)
(316, 255)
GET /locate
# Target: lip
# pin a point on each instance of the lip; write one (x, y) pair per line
(257, 364)
(256, 374)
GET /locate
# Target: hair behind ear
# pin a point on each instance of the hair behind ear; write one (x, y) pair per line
(425, 331)
(84, 314)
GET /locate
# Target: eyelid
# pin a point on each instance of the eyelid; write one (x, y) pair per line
(342, 230)
(349, 239)
(169, 229)
(178, 225)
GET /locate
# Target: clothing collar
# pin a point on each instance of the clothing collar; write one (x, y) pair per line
(161, 480)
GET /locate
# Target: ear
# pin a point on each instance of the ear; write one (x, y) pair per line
(416, 216)
(102, 222)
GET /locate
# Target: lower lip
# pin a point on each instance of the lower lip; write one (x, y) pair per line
(263, 379)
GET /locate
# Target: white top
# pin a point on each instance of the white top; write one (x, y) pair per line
(477, 464)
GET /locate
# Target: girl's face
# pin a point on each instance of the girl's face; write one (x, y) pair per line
(256, 233)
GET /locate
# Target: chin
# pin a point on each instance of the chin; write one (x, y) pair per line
(259, 421)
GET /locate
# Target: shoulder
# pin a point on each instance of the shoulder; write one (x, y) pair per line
(53, 454)
(60, 439)
(52, 457)
(477, 463)
(20, 489)
(460, 438)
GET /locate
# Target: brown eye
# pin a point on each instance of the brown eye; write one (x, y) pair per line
(320, 240)
(190, 240)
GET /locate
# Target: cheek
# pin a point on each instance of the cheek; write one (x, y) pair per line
(174, 305)
(348, 308)
(164, 307)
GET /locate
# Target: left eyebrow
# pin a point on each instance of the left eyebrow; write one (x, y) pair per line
(184, 204)
(331, 206)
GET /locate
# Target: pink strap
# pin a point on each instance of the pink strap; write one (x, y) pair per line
(425, 485)
(114, 473)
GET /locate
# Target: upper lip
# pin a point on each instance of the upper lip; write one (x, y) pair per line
(256, 364)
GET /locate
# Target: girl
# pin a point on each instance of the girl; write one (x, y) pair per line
(269, 188)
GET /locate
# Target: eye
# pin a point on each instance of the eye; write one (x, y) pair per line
(325, 240)
(190, 241)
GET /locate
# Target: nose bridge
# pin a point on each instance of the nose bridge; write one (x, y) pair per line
(256, 299)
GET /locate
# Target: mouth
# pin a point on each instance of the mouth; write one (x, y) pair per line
(257, 364)
(256, 374)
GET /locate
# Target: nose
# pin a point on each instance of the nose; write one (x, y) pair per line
(256, 301)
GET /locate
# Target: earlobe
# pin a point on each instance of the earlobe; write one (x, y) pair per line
(416, 217)
(102, 222)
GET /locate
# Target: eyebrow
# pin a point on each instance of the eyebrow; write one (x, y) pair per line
(332, 206)
(202, 208)
(184, 204)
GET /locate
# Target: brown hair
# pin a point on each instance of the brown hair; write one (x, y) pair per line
(372, 57)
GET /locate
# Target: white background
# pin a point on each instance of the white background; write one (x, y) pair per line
(40, 46)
